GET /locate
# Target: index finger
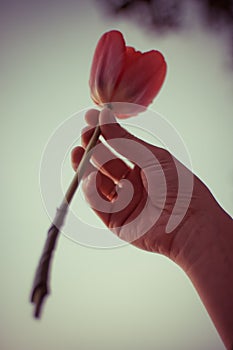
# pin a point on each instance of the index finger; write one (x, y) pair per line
(92, 117)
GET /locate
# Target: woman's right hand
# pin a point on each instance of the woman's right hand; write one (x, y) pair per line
(164, 195)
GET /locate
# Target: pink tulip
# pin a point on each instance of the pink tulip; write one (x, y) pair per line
(119, 73)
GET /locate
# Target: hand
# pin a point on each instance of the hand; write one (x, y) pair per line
(143, 221)
(162, 200)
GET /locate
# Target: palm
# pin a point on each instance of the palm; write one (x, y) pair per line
(143, 221)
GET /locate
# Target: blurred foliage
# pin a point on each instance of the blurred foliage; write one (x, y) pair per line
(165, 15)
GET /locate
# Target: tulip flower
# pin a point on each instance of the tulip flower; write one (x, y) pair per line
(119, 73)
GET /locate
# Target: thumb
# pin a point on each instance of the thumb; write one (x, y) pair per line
(110, 129)
(132, 148)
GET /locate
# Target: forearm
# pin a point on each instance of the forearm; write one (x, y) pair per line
(207, 258)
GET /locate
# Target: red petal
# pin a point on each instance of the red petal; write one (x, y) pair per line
(107, 66)
(142, 77)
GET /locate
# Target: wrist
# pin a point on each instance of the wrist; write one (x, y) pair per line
(206, 227)
(205, 254)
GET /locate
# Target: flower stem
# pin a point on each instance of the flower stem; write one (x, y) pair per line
(40, 285)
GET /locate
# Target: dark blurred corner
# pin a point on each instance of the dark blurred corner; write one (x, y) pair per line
(167, 15)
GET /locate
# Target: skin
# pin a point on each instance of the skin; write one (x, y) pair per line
(201, 244)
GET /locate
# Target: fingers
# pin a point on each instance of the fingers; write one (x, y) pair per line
(137, 151)
(102, 157)
(132, 148)
(76, 156)
(92, 117)
(121, 204)
(104, 184)
(109, 164)
(106, 187)
(87, 133)
(110, 129)
(90, 186)
(115, 204)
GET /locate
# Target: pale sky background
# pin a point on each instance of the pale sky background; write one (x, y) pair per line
(121, 298)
